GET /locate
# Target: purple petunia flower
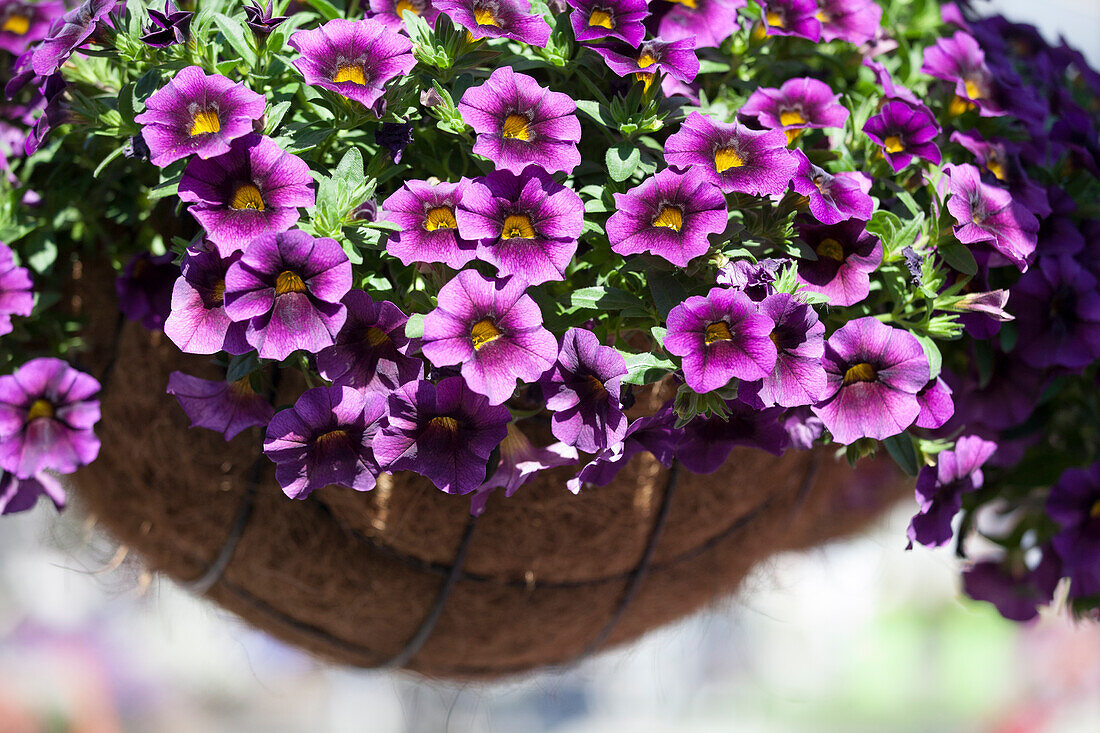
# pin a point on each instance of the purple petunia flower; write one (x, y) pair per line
(904, 131)
(832, 198)
(792, 18)
(429, 229)
(525, 225)
(519, 462)
(144, 288)
(20, 495)
(847, 254)
(676, 59)
(197, 114)
(394, 137)
(936, 405)
(520, 123)
(654, 434)
(797, 105)
(940, 489)
(288, 287)
(16, 294)
(371, 350)
(720, 337)
(67, 34)
(669, 215)
(442, 431)
(389, 12)
(889, 88)
(1074, 503)
(22, 22)
(854, 21)
(261, 19)
(960, 60)
(46, 418)
(325, 440)
(493, 329)
(198, 323)
(256, 188)
(498, 19)
(1057, 307)
(582, 390)
(705, 443)
(225, 407)
(803, 427)
(354, 58)
(799, 336)
(757, 279)
(732, 156)
(170, 27)
(621, 19)
(1001, 158)
(874, 373)
(987, 213)
(710, 21)
(1010, 585)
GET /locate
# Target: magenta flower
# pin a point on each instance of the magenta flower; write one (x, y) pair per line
(621, 19)
(582, 390)
(198, 323)
(904, 131)
(889, 88)
(792, 18)
(960, 60)
(288, 287)
(1014, 588)
(519, 462)
(1001, 159)
(936, 405)
(197, 114)
(720, 337)
(799, 337)
(429, 229)
(371, 350)
(144, 288)
(325, 440)
(46, 418)
(705, 442)
(520, 123)
(261, 19)
(732, 156)
(225, 407)
(757, 279)
(832, 198)
(654, 434)
(16, 294)
(1057, 308)
(797, 105)
(498, 19)
(525, 225)
(847, 254)
(493, 329)
(169, 27)
(987, 213)
(674, 58)
(940, 489)
(874, 373)
(67, 34)
(22, 22)
(20, 495)
(709, 21)
(1073, 503)
(854, 21)
(669, 215)
(443, 431)
(388, 12)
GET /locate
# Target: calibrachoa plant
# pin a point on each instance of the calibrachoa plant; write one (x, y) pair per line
(476, 230)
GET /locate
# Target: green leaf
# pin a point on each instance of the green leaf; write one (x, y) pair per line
(414, 327)
(596, 111)
(904, 453)
(959, 257)
(600, 298)
(275, 117)
(622, 160)
(234, 32)
(932, 351)
(107, 160)
(349, 172)
(241, 366)
(325, 8)
(667, 292)
(646, 368)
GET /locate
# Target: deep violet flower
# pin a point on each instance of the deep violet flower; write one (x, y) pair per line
(1010, 585)
(198, 114)
(225, 407)
(672, 58)
(256, 188)
(22, 22)
(987, 213)
(169, 27)
(732, 156)
(493, 329)
(797, 105)
(709, 21)
(847, 254)
(326, 439)
(394, 137)
(936, 405)
(874, 373)
(621, 19)
(706, 442)
(1057, 308)
(1001, 159)
(854, 21)
(799, 337)
(198, 323)
(289, 288)
(498, 19)
(445, 432)
(68, 34)
(16, 296)
(1074, 503)
(389, 12)
(371, 350)
(669, 215)
(144, 288)
(904, 131)
(940, 489)
(720, 337)
(792, 18)
(582, 390)
(354, 58)
(889, 88)
(757, 279)
(428, 230)
(520, 123)
(654, 434)
(526, 225)
(46, 418)
(519, 462)
(20, 495)
(832, 197)
(261, 19)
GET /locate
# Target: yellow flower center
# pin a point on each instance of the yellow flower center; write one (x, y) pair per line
(40, 408)
(959, 106)
(242, 387)
(830, 248)
(17, 24)
(862, 372)
(217, 293)
(247, 196)
(973, 90)
(776, 20)
(402, 5)
(774, 336)
(289, 282)
(515, 127)
(718, 331)
(484, 16)
(687, 3)
(375, 336)
(793, 135)
(726, 158)
(646, 79)
(484, 332)
(517, 226)
(444, 423)
(893, 144)
(823, 16)
(997, 168)
(791, 117)
(326, 440)
(205, 122)
(646, 59)
(441, 217)
(1094, 511)
(601, 18)
(351, 73)
(670, 217)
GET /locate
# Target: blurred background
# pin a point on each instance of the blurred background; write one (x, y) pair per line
(857, 636)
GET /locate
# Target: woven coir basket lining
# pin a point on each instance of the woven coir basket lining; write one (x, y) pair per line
(352, 576)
